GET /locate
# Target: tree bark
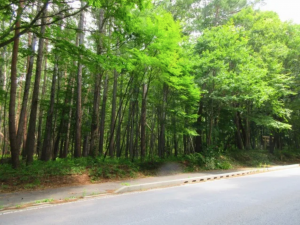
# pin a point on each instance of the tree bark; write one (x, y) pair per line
(97, 88)
(41, 111)
(22, 118)
(30, 143)
(68, 126)
(77, 151)
(13, 91)
(162, 138)
(46, 150)
(103, 114)
(120, 117)
(113, 115)
(143, 121)
(198, 144)
(238, 132)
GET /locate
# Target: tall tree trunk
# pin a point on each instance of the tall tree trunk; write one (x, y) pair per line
(46, 150)
(143, 121)
(103, 114)
(152, 135)
(162, 138)
(13, 92)
(210, 129)
(67, 128)
(131, 137)
(62, 130)
(238, 132)
(120, 117)
(272, 144)
(77, 151)
(22, 118)
(113, 115)
(85, 145)
(137, 128)
(127, 150)
(30, 143)
(2, 85)
(175, 136)
(198, 146)
(247, 130)
(41, 111)
(97, 88)
(95, 116)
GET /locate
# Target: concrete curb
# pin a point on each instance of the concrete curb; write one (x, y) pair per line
(142, 187)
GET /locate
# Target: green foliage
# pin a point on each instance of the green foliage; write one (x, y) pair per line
(46, 200)
(254, 158)
(211, 161)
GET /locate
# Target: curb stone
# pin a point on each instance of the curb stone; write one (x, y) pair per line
(162, 184)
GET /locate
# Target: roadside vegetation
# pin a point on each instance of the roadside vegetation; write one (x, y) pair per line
(65, 172)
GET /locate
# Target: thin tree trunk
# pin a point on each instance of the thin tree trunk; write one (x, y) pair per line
(247, 136)
(198, 145)
(68, 126)
(85, 146)
(41, 111)
(2, 77)
(97, 88)
(143, 122)
(131, 147)
(30, 143)
(22, 118)
(272, 144)
(127, 150)
(63, 126)
(77, 151)
(4, 125)
(95, 115)
(46, 150)
(113, 115)
(175, 136)
(238, 132)
(163, 122)
(136, 149)
(118, 142)
(103, 114)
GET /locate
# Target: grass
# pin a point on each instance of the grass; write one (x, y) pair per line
(47, 200)
(70, 198)
(18, 206)
(3, 186)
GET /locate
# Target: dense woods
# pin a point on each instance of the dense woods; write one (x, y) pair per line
(141, 79)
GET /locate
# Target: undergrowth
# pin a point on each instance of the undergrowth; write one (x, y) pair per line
(33, 176)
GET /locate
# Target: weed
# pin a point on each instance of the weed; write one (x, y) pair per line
(3, 186)
(125, 184)
(70, 198)
(29, 186)
(45, 200)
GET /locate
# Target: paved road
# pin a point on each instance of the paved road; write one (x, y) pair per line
(268, 198)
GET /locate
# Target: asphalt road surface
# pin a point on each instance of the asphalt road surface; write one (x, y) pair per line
(268, 198)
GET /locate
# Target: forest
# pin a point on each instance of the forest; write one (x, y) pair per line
(142, 80)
